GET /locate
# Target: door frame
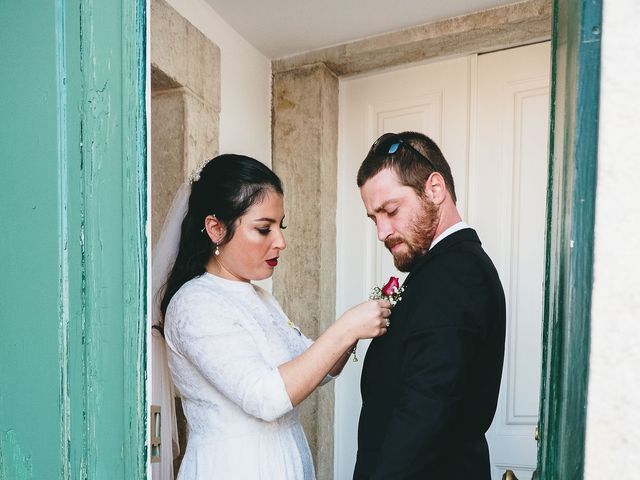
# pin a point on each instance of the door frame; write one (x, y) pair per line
(104, 399)
(104, 184)
(573, 153)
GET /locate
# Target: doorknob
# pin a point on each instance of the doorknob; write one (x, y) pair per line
(509, 475)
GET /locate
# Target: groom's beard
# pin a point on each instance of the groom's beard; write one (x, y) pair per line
(417, 242)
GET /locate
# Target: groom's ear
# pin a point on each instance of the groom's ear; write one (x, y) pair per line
(435, 188)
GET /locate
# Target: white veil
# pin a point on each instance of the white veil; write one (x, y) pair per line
(162, 392)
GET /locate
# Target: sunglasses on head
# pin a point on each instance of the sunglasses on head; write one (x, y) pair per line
(389, 143)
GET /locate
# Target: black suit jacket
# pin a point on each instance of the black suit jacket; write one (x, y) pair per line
(430, 385)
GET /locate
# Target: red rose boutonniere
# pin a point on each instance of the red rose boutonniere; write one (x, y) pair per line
(391, 292)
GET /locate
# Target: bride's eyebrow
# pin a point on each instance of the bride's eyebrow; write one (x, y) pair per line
(268, 219)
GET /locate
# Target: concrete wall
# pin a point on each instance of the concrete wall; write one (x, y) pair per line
(613, 410)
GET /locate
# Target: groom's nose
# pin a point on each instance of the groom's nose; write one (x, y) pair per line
(384, 229)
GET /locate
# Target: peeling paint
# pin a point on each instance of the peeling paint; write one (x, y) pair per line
(14, 465)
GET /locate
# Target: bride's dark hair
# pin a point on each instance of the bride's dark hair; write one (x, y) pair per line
(228, 186)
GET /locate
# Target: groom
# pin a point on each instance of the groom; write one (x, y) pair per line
(430, 385)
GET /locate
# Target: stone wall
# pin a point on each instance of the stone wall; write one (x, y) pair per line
(305, 141)
(185, 105)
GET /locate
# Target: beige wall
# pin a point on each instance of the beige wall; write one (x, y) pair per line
(613, 410)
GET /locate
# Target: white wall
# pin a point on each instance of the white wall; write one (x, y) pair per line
(613, 410)
(245, 115)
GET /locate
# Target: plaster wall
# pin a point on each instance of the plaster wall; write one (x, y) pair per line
(613, 416)
(245, 83)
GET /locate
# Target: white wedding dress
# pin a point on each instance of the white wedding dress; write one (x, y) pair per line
(225, 340)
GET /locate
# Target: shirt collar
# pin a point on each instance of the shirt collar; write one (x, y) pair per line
(452, 229)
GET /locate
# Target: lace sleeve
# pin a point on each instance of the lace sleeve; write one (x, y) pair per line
(305, 340)
(208, 333)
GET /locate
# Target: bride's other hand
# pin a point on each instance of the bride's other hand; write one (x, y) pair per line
(366, 320)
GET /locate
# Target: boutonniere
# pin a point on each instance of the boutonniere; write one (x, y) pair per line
(391, 292)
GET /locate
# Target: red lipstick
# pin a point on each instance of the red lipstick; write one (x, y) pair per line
(272, 262)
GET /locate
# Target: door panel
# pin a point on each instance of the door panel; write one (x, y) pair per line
(507, 207)
(489, 114)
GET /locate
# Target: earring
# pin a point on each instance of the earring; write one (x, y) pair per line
(205, 227)
(217, 250)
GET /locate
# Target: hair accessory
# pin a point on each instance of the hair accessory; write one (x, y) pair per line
(195, 174)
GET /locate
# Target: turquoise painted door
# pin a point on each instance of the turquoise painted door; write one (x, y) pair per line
(573, 158)
(72, 245)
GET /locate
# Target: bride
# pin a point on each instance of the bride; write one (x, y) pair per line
(241, 366)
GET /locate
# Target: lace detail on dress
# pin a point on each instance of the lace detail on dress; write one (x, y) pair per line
(225, 341)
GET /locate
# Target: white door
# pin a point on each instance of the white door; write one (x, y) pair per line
(487, 140)
(507, 204)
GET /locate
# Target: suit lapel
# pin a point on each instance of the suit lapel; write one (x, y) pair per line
(380, 355)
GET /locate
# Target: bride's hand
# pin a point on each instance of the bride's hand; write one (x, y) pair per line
(366, 320)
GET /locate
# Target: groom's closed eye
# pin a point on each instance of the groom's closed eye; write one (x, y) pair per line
(391, 213)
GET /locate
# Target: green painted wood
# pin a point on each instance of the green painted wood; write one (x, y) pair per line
(73, 196)
(30, 241)
(134, 237)
(570, 227)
